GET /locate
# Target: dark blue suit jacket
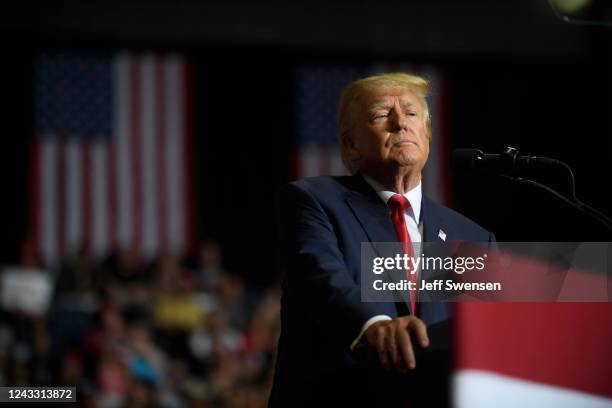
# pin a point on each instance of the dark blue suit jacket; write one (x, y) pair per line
(323, 221)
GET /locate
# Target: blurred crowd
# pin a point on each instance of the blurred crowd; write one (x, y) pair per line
(169, 333)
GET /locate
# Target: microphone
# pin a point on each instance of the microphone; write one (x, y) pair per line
(508, 162)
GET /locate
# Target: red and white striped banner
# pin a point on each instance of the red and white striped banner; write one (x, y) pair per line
(533, 355)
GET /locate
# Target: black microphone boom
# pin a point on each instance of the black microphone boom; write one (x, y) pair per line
(508, 162)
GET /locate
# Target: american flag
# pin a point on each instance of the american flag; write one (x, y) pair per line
(318, 89)
(110, 155)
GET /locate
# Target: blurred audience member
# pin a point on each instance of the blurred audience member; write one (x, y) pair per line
(132, 333)
(210, 265)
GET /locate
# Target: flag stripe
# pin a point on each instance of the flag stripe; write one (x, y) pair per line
(87, 186)
(310, 161)
(123, 141)
(73, 202)
(174, 151)
(48, 206)
(147, 155)
(160, 158)
(61, 231)
(100, 201)
(136, 136)
(334, 161)
(113, 206)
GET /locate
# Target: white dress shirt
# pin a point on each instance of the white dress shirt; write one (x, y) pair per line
(413, 224)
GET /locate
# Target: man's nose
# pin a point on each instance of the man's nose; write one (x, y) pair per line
(399, 121)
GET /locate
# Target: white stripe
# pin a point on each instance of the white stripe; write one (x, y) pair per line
(150, 219)
(483, 389)
(336, 167)
(174, 155)
(47, 204)
(99, 196)
(310, 161)
(123, 150)
(74, 195)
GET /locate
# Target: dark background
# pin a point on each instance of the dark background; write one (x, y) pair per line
(515, 75)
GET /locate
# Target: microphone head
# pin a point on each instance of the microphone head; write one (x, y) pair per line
(466, 159)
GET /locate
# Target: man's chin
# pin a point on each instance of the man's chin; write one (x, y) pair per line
(408, 160)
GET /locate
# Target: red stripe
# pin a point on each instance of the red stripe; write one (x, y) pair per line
(190, 221)
(562, 344)
(136, 156)
(295, 164)
(33, 239)
(160, 146)
(87, 187)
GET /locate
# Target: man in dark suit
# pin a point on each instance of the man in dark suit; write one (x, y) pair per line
(333, 346)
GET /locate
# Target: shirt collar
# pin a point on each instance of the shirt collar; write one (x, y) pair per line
(414, 196)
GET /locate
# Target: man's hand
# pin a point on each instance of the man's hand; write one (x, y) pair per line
(391, 339)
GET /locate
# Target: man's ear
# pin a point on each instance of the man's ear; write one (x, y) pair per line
(350, 147)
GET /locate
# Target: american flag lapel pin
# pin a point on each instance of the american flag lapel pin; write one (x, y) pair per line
(442, 235)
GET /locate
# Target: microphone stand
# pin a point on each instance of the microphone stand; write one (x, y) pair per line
(512, 153)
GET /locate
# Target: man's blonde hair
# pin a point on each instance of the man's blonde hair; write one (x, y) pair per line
(355, 92)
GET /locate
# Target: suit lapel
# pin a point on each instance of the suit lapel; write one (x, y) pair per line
(374, 217)
(373, 214)
(370, 211)
(432, 223)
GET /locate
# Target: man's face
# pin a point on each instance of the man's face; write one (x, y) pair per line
(390, 132)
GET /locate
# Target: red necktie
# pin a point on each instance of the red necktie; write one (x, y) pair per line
(398, 205)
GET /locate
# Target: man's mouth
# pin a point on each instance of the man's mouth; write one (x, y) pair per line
(403, 143)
